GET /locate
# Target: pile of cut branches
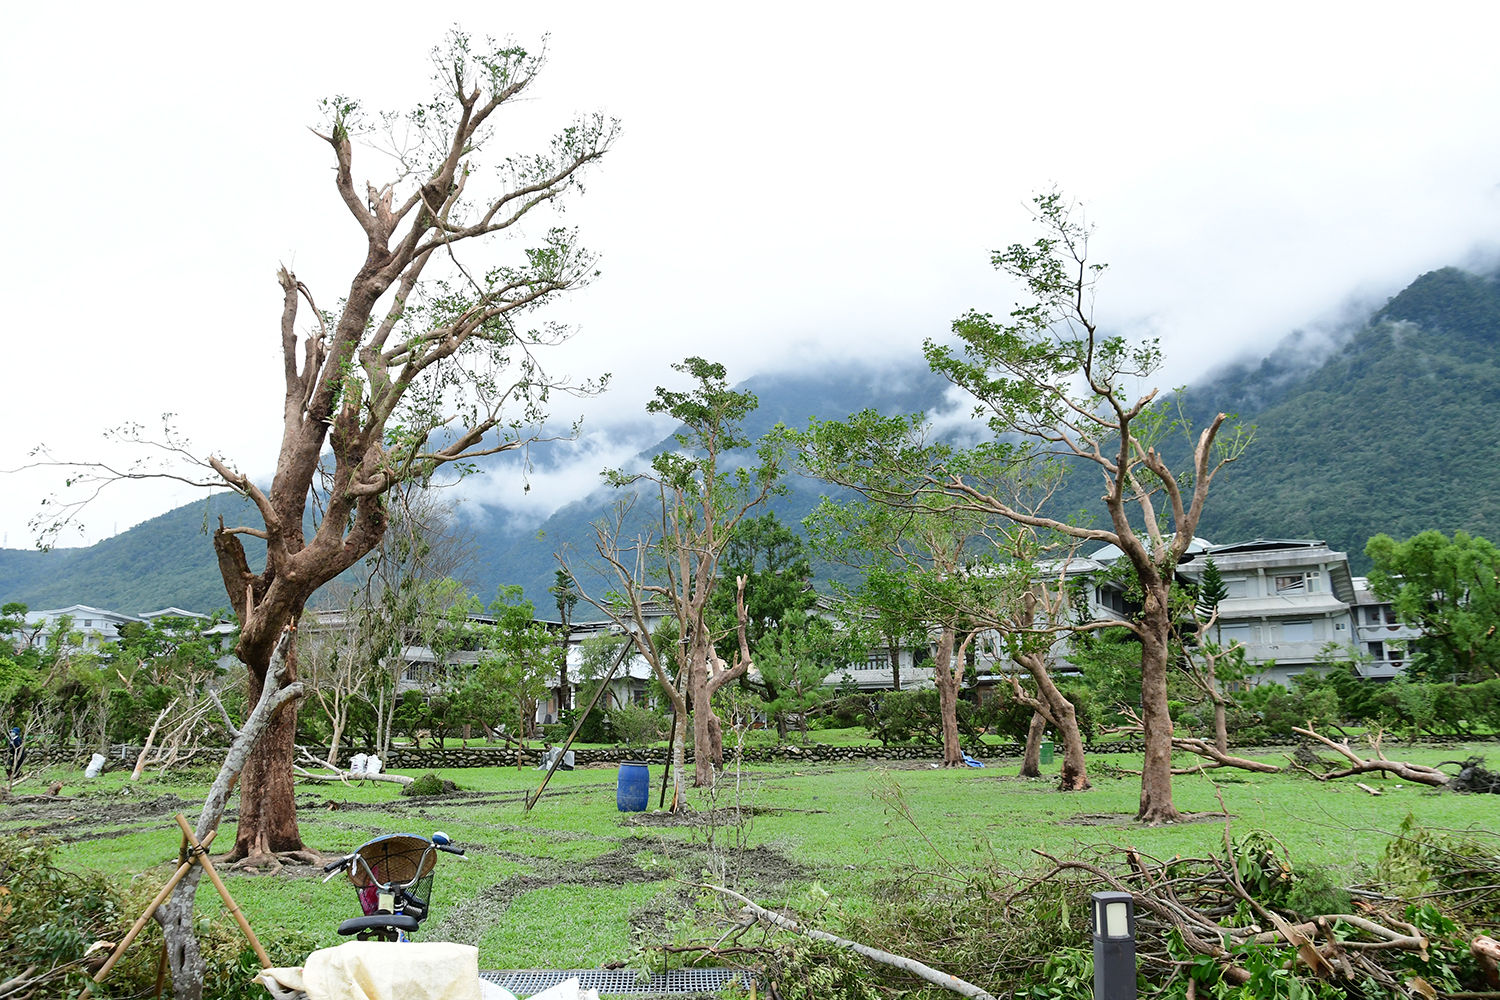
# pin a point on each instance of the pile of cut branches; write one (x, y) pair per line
(1244, 923)
(1234, 924)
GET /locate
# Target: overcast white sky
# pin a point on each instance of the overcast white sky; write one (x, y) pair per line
(795, 182)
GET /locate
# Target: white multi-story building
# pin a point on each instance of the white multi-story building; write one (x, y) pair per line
(1288, 600)
(93, 626)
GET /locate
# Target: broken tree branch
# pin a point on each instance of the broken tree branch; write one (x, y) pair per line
(909, 965)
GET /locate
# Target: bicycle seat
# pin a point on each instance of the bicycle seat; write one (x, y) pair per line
(394, 921)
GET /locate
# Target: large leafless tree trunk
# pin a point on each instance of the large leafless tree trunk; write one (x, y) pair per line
(429, 359)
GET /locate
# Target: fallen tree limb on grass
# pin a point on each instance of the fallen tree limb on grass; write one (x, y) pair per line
(339, 774)
(1203, 748)
(1419, 773)
(909, 965)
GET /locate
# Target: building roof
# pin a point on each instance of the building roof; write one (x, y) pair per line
(76, 611)
(1110, 553)
(1267, 545)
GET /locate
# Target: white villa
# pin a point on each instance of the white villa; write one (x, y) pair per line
(98, 626)
(1287, 600)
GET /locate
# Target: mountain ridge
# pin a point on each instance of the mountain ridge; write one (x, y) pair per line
(1378, 430)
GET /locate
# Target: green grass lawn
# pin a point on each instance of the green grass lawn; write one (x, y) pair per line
(576, 883)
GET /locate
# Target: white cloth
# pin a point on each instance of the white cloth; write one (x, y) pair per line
(568, 989)
(380, 970)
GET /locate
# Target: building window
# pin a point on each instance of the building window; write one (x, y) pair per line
(1234, 633)
(1294, 584)
(1110, 598)
(1297, 631)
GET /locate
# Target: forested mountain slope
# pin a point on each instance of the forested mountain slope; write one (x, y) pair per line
(1391, 431)
(1394, 433)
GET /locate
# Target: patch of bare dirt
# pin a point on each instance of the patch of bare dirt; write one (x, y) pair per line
(82, 817)
(763, 865)
(1128, 819)
(708, 818)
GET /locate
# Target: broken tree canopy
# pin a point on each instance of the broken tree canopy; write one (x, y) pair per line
(1471, 776)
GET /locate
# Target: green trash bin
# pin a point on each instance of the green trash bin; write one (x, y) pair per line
(1046, 751)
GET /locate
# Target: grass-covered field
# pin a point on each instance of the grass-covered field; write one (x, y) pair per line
(576, 883)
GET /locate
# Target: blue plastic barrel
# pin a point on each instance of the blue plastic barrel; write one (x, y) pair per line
(634, 787)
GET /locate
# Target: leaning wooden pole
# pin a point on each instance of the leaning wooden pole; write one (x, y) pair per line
(161, 897)
(661, 802)
(603, 685)
(200, 854)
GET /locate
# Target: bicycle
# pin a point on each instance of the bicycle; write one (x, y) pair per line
(392, 876)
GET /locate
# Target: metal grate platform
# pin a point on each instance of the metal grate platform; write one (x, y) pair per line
(620, 982)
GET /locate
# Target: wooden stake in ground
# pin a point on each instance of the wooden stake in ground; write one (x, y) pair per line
(166, 890)
(625, 649)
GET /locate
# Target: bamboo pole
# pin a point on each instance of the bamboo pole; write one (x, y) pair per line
(200, 854)
(161, 897)
(624, 651)
(666, 772)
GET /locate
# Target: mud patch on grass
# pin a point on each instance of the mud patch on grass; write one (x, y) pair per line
(709, 818)
(1128, 819)
(637, 860)
(82, 817)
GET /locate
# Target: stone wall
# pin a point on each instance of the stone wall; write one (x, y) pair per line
(455, 757)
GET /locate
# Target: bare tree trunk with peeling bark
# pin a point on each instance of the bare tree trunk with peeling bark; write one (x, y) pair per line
(1031, 756)
(176, 915)
(430, 359)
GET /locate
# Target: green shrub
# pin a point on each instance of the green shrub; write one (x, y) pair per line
(429, 784)
(49, 917)
(636, 726)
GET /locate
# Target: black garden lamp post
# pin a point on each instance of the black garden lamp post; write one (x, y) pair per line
(1114, 946)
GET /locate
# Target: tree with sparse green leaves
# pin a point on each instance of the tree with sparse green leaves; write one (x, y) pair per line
(959, 573)
(700, 492)
(431, 358)
(1048, 374)
(517, 659)
(1449, 589)
(912, 538)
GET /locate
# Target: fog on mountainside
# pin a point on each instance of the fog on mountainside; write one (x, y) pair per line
(1384, 428)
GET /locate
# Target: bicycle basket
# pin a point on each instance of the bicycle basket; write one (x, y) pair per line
(395, 859)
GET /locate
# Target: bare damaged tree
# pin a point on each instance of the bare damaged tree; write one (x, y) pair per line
(1026, 629)
(425, 362)
(703, 492)
(1049, 375)
(1209, 666)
